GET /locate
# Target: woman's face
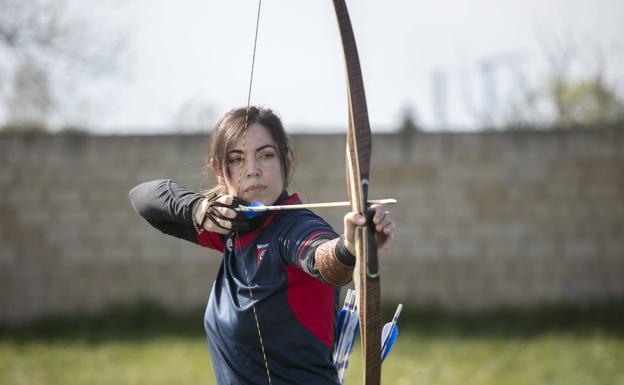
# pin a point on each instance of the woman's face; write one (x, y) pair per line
(261, 175)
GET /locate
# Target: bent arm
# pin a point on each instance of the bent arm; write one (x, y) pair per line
(312, 245)
(328, 260)
(334, 262)
(167, 206)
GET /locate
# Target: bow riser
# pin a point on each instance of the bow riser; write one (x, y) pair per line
(369, 302)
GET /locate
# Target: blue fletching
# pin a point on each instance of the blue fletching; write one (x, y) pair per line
(389, 342)
(340, 327)
(389, 333)
(356, 332)
(341, 317)
(254, 214)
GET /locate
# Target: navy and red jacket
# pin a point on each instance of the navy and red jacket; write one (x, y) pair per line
(296, 310)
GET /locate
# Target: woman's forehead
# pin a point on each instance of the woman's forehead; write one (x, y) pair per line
(255, 136)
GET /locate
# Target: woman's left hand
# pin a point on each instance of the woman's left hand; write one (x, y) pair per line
(384, 227)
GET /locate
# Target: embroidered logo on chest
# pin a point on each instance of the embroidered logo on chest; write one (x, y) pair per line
(261, 250)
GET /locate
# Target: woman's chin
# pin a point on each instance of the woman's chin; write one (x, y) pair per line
(262, 198)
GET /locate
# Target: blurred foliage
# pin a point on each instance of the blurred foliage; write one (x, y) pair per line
(519, 322)
(408, 124)
(580, 87)
(586, 103)
(138, 321)
(583, 103)
(22, 128)
(34, 129)
(146, 320)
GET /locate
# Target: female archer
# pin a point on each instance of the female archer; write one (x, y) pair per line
(272, 310)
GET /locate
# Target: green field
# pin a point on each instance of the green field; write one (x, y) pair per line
(144, 345)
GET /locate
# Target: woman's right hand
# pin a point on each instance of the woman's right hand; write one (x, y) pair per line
(223, 217)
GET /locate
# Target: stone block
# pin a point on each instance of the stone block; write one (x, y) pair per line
(418, 248)
(462, 249)
(502, 248)
(580, 249)
(8, 256)
(62, 199)
(614, 249)
(76, 218)
(586, 145)
(539, 248)
(35, 215)
(75, 252)
(20, 198)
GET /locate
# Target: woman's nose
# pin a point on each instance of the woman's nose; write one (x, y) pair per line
(252, 166)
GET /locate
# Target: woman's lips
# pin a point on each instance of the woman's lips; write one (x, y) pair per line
(254, 189)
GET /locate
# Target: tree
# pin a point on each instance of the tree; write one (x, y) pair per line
(587, 103)
(407, 130)
(29, 104)
(584, 99)
(195, 116)
(46, 48)
(575, 90)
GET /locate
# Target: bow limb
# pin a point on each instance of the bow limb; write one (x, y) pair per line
(366, 272)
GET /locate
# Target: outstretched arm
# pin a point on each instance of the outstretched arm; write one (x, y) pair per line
(331, 258)
(167, 206)
(335, 259)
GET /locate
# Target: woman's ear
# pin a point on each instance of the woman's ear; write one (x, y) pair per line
(290, 158)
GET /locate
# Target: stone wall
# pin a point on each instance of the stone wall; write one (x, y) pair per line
(484, 219)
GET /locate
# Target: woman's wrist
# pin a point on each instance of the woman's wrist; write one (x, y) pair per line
(344, 253)
(334, 262)
(200, 206)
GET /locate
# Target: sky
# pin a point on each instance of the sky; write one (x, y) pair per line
(192, 55)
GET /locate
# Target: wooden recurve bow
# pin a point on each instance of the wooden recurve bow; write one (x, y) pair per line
(366, 272)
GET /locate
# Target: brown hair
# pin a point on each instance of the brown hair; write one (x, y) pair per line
(232, 126)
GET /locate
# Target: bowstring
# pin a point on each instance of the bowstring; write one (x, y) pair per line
(240, 175)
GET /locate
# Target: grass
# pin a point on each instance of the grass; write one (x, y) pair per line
(548, 359)
(161, 360)
(146, 345)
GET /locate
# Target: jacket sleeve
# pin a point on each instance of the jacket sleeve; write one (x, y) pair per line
(300, 239)
(167, 206)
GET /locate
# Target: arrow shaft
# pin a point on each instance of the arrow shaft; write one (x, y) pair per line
(310, 205)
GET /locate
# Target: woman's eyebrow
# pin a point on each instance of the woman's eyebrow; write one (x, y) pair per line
(266, 146)
(257, 149)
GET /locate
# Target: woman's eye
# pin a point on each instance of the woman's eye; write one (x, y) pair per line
(234, 160)
(267, 155)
